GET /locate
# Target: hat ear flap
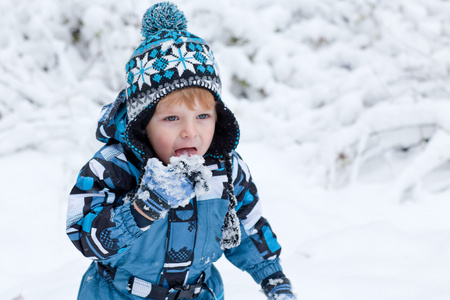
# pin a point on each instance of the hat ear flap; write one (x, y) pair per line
(136, 135)
(226, 135)
(231, 230)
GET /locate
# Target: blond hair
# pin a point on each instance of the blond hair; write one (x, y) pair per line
(191, 96)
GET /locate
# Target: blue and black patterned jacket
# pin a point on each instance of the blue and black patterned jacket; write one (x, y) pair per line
(103, 227)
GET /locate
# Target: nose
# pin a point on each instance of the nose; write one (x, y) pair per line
(189, 130)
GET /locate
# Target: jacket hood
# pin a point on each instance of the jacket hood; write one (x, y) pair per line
(113, 127)
(113, 121)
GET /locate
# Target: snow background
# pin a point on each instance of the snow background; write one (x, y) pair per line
(344, 111)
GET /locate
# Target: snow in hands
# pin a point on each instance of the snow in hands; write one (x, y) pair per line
(173, 187)
(165, 187)
(180, 181)
(194, 169)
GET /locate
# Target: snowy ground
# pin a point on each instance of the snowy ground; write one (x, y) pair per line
(355, 243)
(344, 109)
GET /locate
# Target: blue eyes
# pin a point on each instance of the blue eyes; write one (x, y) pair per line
(175, 118)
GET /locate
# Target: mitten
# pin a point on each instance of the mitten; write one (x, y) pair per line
(278, 289)
(164, 187)
(161, 188)
(194, 169)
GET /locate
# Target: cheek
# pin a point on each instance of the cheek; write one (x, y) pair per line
(157, 138)
(209, 132)
(162, 147)
(213, 130)
(160, 141)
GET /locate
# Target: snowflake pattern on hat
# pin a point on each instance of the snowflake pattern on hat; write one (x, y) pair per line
(168, 59)
(156, 67)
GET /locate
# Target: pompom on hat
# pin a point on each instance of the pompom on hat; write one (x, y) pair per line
(171, 58)
(162, 16)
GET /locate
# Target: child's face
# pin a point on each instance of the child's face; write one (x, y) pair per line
(175, 129)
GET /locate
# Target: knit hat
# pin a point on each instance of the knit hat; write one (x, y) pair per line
(171, 58)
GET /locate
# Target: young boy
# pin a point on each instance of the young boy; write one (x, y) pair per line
(168, 195)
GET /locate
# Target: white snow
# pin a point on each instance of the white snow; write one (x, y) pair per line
(275, 281)
(173, 186)
(344, 114)
(192, 167)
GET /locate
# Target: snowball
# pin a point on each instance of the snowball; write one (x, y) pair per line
(180, 181)
(193, 167)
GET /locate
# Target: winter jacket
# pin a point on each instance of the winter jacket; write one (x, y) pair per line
(104, 228)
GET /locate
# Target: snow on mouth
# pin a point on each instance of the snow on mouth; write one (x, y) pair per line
(186, 151)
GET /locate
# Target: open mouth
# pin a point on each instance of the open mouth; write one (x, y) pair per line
(186, 151)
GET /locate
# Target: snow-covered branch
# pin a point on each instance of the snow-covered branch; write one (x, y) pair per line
(357, 81)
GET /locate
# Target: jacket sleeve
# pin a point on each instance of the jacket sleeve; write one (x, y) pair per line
(99, 222)
(259, 249)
